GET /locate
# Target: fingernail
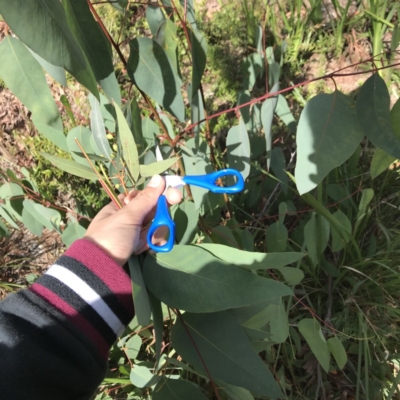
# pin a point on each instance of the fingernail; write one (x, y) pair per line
(155, 181)
(126, 200)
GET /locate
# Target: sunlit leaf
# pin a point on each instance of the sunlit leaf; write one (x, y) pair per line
(83, 134)
(73, 231)
(190, 278)
(238, 147)
(42, 26)
(132, 346)
(24, 76)
(380, 162)
(141, 376)
(70, 166)
(129, 149)
(267, 116)
(157, 167)
(152, 72)
(327, 135)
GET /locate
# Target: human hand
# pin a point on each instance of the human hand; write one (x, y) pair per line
(123, 232)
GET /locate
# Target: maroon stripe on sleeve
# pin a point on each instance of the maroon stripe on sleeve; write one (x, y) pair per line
(106, 268)
(73, 316)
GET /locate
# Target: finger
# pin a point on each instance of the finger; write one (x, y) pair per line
(144, 202)
(131, 195)
(157, 239)
(174, 196)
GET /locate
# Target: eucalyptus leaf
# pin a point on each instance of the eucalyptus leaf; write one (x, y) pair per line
(155, 17)
(98, 128)
(9, 190)
(327, 135)
(132, 346)
(186, 218)
(83, 135)
(73, 231)
(70, 166)
(225, 350)
(48, 217)
(24, 76)
(139, 291)
(153, 73)
(373, 111)
(381, 161)
(142, 377)
(276, 237)
(282, 110)
(31, 223)
(311, 331)
(339, 241)
(267, 116)
(316, 237)
(199, 58)
(7, 217)
(42, 25)
(167, 38)
(191, 279)
(252, 260)
(238, 147)
(129, 149)
(158, 167)
(56, 136)
(172, 389)
(338, 351)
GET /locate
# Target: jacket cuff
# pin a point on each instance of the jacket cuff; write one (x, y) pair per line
(91, 290)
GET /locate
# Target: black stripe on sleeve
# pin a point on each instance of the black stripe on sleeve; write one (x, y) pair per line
(85, 309)
(98, 286)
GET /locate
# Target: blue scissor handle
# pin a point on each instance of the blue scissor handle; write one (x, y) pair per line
(162, 218)
(208, 181)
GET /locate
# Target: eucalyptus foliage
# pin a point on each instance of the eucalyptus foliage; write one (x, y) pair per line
(228, 306)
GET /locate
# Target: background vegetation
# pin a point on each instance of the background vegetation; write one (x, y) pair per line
(301, 97)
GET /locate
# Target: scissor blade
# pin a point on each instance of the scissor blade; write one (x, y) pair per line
(174, 181)
(159, 156)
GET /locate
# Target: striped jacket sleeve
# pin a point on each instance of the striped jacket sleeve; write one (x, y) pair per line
(56, 335)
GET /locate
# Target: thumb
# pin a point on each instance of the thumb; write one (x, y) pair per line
(141, 205)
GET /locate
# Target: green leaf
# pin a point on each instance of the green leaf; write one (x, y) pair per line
(282, 110)
(142, 377)
(199, 58)
(276, 237)
(311, 331)
(139, 290)
(196, 112)
(155, 17)
(72, 232)
(373, 111)
(235, 392)
(25, 78)
(238, 147)
(9, 190)
(98, 128)
(267, 116)
(57, 73)
(186, 218)
(152, 72)
(70, 166)
(167, 38)
(158, 167)
(42, 26)
(327, 135)
(221, 234)
(7, 217)
(278, 166)
(278, 322)
(380, 162)
(158, 320)
(47, 217)
(171, 389)
(94, 45)
(196, 165)
(54, 135)
(84, 135)
(316, 237)
(293, 276)
(3, 230)
(338, 351)
(191, 279)
(252, 68)
(339, 241)
(225, 350)
(395, 117)
(129, 149)
(67, 107)
(366, 197)
(252, 260)
(132, 346)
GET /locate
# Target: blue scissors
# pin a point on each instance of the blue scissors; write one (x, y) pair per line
(208, 181)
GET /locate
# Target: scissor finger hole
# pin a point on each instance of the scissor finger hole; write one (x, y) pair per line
(161, 235)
